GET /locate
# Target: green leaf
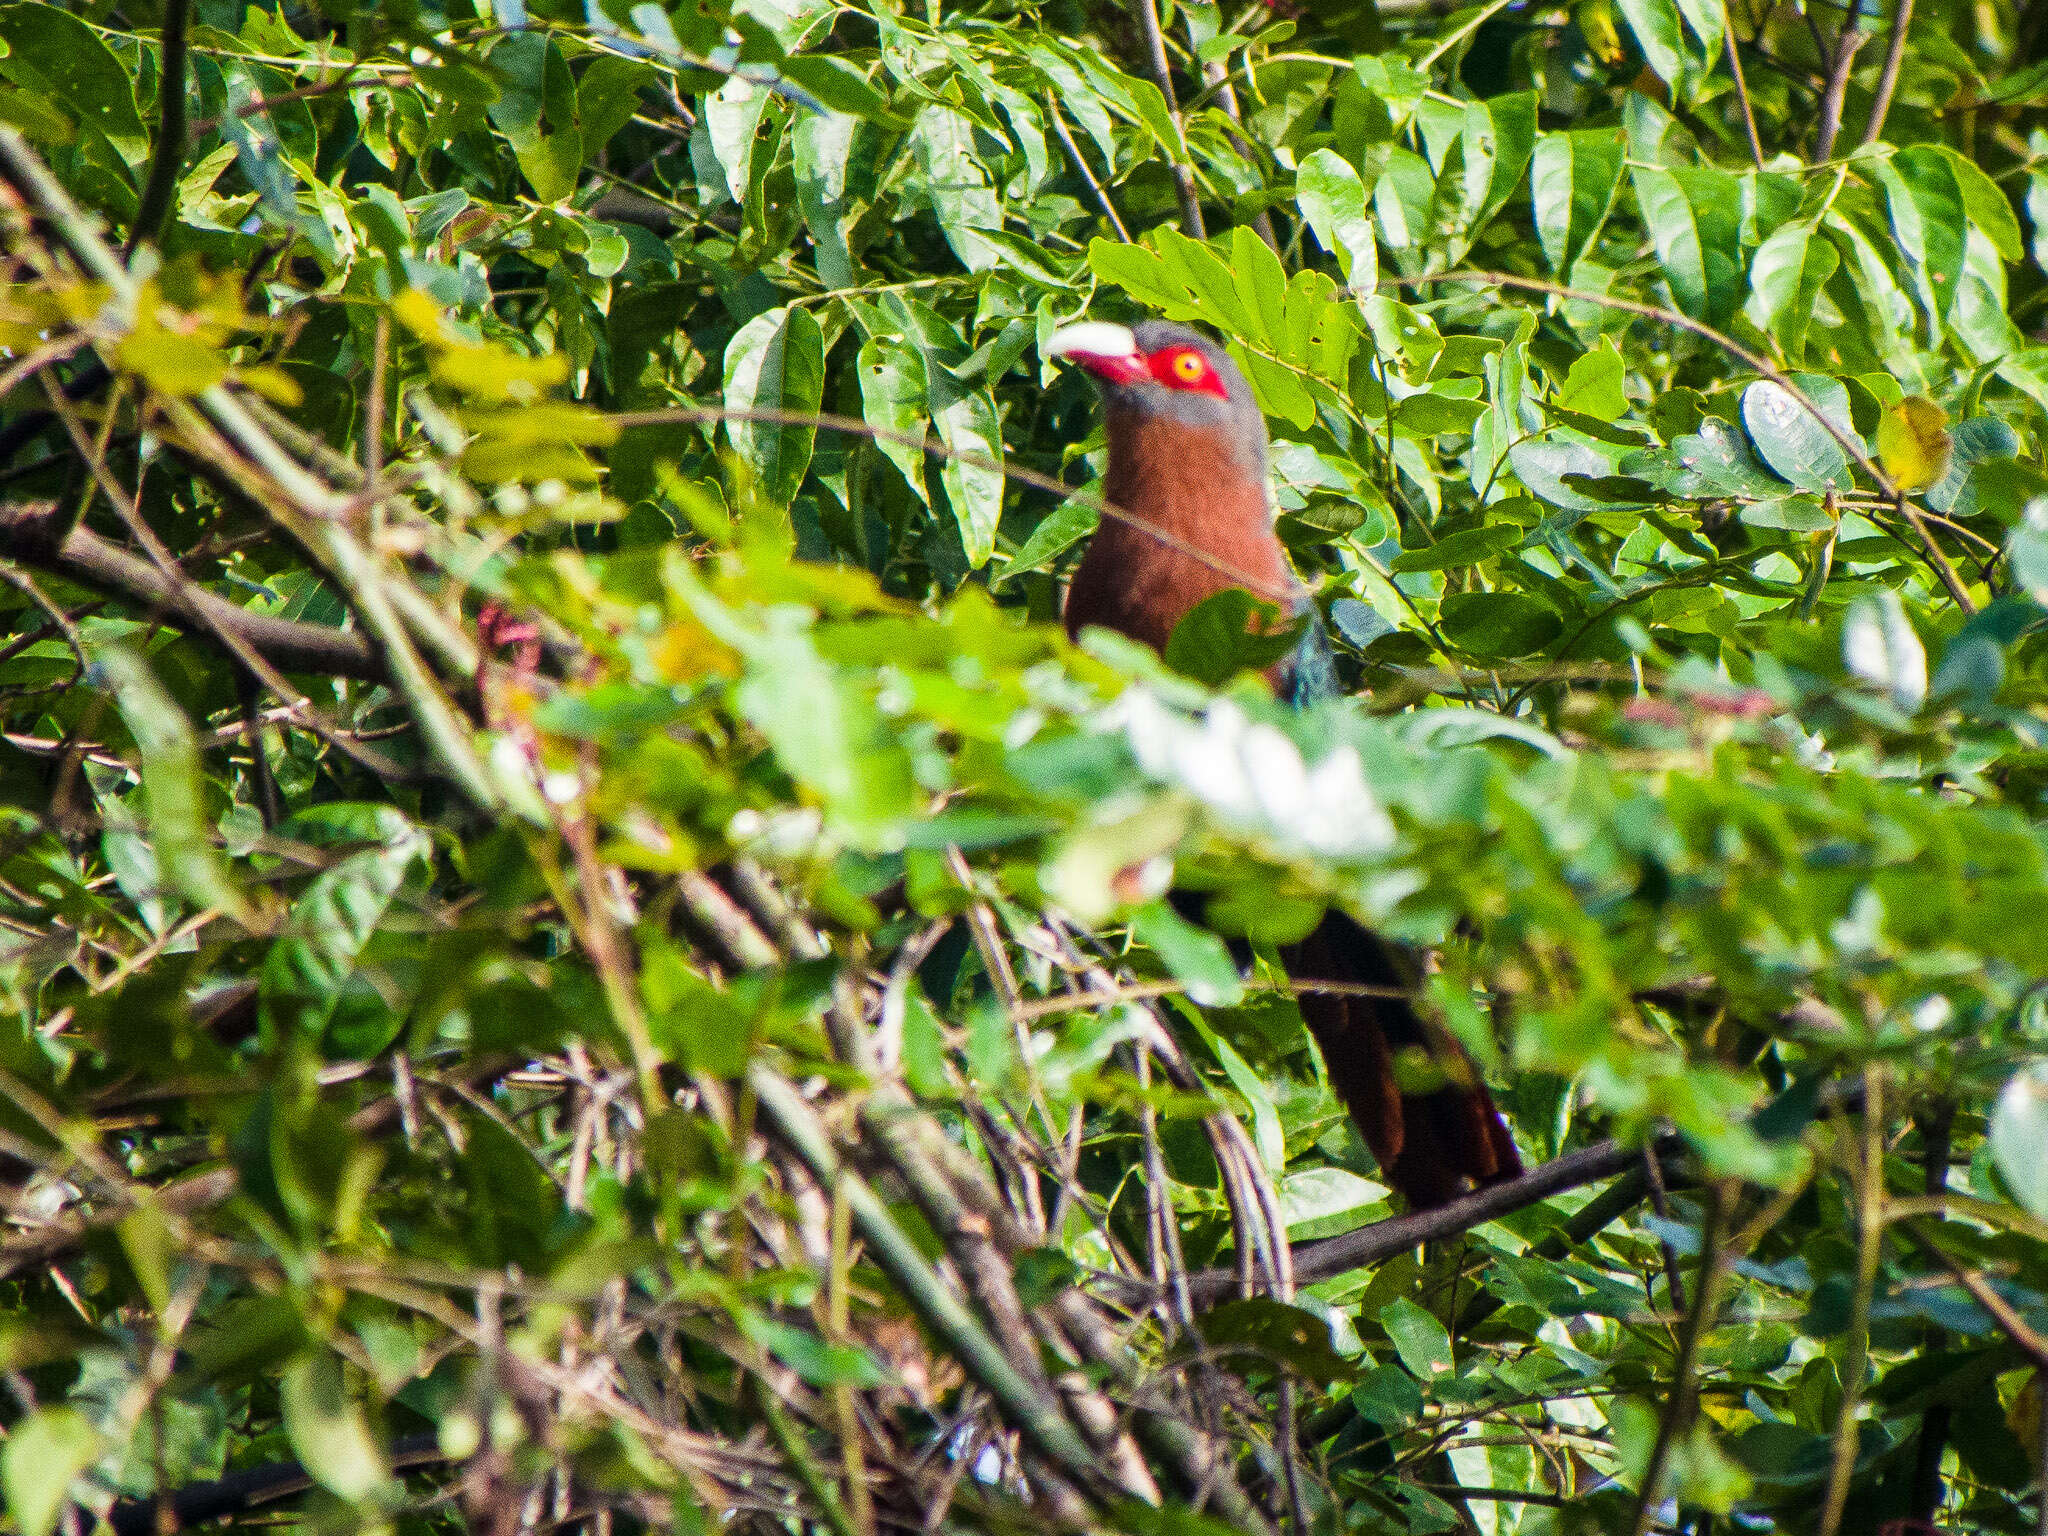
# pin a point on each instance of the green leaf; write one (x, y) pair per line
(54, 54)
(1472, 546)
(1707, 20)
(173, 789)
(1785, 277)
(39, 120)
(607, 96)
(1973, 441)
(1655, 24)
(958, 185)
(775, 363)
(537, 112)
(151, 1249)
(1278, 1334)
(1792, 440)
(1796, 514)
(1593, 385)
(1293, 336)
(693, 1022)
(1880, 647)
(1195, 956)
(731, 117)
(1057, 532)
(1494, 146)
(1695, 221)
(1423, 1343)
(1227, 633)
(2026, 550)
(1573, 179)
(1502, 625)
(827, 734)
(327, 1431)
(1714, 461)
(1267, 1134)
(820, 146)
(892, 399)
(812, 1358)
(331, 923)
(2019, 1137)
(1323, 1201)
(1332, 199)
(1984, 202)
(1556, 466)
(1928, 220)
(44, 1453)
(970, 425)
(835, 83)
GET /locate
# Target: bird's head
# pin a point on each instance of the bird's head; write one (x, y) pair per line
(1166, 374)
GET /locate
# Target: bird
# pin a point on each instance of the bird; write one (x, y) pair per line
(1187, 471)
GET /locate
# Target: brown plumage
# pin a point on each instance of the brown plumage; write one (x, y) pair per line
(1187, 456)
(1188, 484)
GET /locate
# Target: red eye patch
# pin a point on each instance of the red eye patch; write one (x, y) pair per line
(1186, 368)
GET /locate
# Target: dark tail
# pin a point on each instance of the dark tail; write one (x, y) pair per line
(1432, 1145)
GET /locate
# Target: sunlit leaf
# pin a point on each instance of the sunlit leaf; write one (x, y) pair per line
(44, 1452)
(775, 366)
(327, 1430)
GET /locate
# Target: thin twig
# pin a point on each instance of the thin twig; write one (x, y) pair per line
(1756, 144)
(1162, 76)
(1032, 1408)
(346, 81)
(2033, 1344)
(1680, 1406)
(303, 505)
(86, 558)
(1840, 64)
(1937, 1124)
(1660, 1202)
(1101, 193)
(168, 156)
(1868, 1186)
(1888, 79)
(1383, 1239)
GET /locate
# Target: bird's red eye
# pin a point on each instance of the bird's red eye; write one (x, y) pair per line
(1185, 368)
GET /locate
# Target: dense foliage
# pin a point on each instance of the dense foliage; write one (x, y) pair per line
(578, 948)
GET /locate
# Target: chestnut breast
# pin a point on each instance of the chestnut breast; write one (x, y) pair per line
(1191, 483)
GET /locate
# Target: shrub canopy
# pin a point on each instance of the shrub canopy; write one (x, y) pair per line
(579, 947)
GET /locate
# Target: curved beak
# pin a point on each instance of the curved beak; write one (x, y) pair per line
(1110, 352)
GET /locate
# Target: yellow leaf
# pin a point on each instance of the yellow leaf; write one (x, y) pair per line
(420, 315)
(1913, 443)
(1596, 21)
(2024, 1416)
(497, 373)
(497, 462)
(547, 422)
(166, 360)
(273, 384)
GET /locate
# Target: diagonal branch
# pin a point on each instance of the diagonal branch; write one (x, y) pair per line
(82, 556)
(1383, 1239)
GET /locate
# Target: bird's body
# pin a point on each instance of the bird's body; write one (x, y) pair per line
(1187, 464)
(1135, 584)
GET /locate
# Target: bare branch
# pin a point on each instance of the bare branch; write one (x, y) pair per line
(84, 557)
